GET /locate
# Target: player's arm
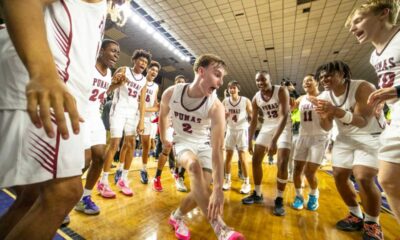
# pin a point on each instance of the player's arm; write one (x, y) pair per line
(284, 109)
(253, 124)
(163, 122)
(249, 110)
(156, 105)
(216, 203)
(45, 89)
(326, 119)
(226, 110)
(362, 111)
(118, 79)
(142, 106)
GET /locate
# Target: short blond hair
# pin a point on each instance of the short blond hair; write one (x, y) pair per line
(376, 7)
(205, 60)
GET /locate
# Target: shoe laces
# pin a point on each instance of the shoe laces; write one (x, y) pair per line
(352, 219)
(89, 203)
(224, 232)
(181, 225)
(373, 230)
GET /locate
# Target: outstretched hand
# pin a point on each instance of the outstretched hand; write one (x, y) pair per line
(216, 204)
(379, 96)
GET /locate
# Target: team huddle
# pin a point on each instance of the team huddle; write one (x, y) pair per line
(52, 129)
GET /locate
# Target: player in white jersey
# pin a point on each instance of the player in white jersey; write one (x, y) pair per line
(310, 146)
(275, 136)
(356, 147)
(46, 64)
(165, 154)
(96, 132)
(126, 115)
(195, 109)
(377, 22)
(152, 106)
(238, 111)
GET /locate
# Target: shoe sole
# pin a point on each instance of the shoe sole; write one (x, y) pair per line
(156, 190)
(176, 235)
(300, 208)
(349, 229)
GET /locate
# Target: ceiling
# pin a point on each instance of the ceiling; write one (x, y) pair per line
(287, 39)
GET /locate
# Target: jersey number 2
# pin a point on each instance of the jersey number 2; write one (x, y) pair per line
(187, 127)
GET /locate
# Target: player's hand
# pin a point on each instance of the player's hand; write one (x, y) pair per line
(140, 128)
(272, 148)
(216, 204)
(378, 109)
(119, 78)
(324, 108)
(251, 148)
(47, 98)
(381, 95)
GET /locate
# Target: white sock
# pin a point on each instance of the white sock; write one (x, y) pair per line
(124, 175)
(86, 192)
(228, 176)
(356, 211)
(177, 214)
(104, 178)
(121, 166)
(299, 192)
(369, 218)
(144, 168)
(247, 180)
(257, 188)
(279, 193)
(314, 192)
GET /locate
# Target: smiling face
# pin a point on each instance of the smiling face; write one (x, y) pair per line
(233, 89)
(152, 73)
(109, 55)
(365, 26)
(263, 81)
(211, 78)
(331, 81)
(309, 84)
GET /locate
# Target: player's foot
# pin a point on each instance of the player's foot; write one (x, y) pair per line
(87, 206)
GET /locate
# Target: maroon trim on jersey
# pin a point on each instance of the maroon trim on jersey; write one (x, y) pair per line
(345, 97)
(64, 41)
(265, 100)
(133, 75)
(240, 99)
(104, 75)
(194, 109)
(387, 44)
(150, 85)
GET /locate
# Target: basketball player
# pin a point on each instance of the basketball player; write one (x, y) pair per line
(275, 136)
(356, 147)
(195, 109)
(96, 132)
(127, 114)
(377, 22)
(166, 154)
(310, 146)
(238, 111)
(152, 106)
(45, 74)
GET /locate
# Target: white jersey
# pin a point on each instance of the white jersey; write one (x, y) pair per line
(66, 35)
(127, 96)
(347, 102)
(387, 67)
(152, 89)
(190, 125)
(309, 119)
(270, 109)
(98, 93)
(237, 113)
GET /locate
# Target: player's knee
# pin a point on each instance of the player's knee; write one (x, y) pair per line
(194, 167)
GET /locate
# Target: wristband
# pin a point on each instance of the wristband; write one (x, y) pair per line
(397, 90)
(347, 118)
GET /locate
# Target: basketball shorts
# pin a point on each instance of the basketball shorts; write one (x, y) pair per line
(310, 148)
(96, 132)
(236, 138)
(390, 144)
(123, 121)
(284, 140)
(202, 151)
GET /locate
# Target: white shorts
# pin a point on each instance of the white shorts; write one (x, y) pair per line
(123, 122)
(390, 144)
(202, 151)
(284, 140)
(28, 156)
(96, 132)
(236, 138)
(150, 128)
(355, 150)
(310, 148)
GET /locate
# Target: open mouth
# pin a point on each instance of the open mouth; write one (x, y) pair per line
(359, 34)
